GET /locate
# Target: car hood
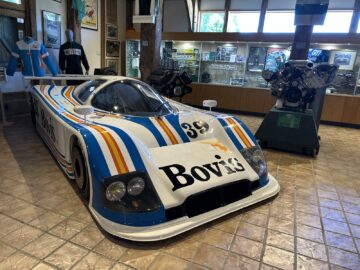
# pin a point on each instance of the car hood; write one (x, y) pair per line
(178, 162)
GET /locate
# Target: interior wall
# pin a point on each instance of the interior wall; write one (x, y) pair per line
(121, 19)
(90, 39)
(175, 16)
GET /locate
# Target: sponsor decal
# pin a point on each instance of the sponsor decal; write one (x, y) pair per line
(180, 177)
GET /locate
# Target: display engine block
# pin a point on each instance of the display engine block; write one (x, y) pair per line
(295, 86)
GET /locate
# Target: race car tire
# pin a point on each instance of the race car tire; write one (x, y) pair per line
(80, 171)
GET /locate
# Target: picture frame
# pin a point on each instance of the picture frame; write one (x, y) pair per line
(344, 59)
(51, 29)
(59, 1)
(112, 48)
(112, 63)
(90, 20)
(112, 31)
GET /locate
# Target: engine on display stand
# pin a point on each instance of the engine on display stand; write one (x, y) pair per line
(292, 124)
(169, 81)
(296, 85)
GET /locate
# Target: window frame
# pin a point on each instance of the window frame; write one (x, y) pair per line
(336, 11)
(210, 11)
(243, 11)
(278, 11)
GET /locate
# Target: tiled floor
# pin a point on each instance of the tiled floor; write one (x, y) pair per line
(313, 224)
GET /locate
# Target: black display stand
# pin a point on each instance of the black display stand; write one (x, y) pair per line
(290, 131)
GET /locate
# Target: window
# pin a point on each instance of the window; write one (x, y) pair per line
(279, 22)
(246, 22)
(130, 97)
(335, 22)
(358, 29)
(18, 2)
(211, 21)
(89, 87)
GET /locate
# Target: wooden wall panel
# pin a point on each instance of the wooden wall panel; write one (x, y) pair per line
(337, 108)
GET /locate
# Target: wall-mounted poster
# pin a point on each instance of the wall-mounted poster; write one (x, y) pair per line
(112, 48)
(276, 58)
(225, 53)
(318, 55)
(90, 19)
(256, 60)
(344, 59)
(111, 31)
(52, 29)
(112, 63)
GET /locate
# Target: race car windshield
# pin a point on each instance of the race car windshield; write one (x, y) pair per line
(132, 98)
(86, 90)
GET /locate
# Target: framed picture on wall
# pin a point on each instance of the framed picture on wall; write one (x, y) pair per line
(51, 29)
(112, 63)
(90, 19)
(344, 59)
(112, 48)
(112, 31)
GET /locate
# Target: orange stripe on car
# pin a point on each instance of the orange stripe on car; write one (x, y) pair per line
(166, 130)
(115, 152)
(239, 132)
(68, 92)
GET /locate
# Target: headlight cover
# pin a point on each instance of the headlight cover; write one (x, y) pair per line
(255, 157)
(131, 192)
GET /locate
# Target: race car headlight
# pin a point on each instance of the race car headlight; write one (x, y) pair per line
(135, 186)
(130, 192)
(115, 191)
(255, 157)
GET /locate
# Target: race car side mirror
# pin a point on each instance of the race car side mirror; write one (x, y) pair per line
(84, 110)
(210, 103)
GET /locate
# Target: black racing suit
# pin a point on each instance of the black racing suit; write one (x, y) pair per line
(70, 57)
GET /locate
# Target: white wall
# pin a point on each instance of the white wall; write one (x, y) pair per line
(175, 16)
(90, 39)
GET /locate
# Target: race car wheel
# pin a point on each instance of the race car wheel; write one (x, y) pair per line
(80, 171)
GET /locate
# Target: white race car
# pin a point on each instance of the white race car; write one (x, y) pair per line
(150, 168)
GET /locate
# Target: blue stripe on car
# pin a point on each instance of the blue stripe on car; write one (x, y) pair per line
(174, 121)
(247, 130)
(95, 154)
(230, 134)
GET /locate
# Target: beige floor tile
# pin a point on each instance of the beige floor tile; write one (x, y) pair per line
(47, 221)
(18, 261)
(309, 233)
(66, 256)
(183, 248)
(139, 258)
(120, 266)
(280, 240)
(340, 241)
(235, 261)
(307, 219)
(22, 236)
(335, 226)
(43, 246)
(355, 230)
(305, 263)
(67, 228)
(250, 231)
(218, 238)
(247, 247)
(227, 225)
(165, 262)
(255, 218)
(43, 266)
(344, 258)
(311, 249)
(109, 249)
(353, 219)
(279, 258)
(281, 225)
(93, 261)
(88, 237)
(210, 256)
(5, 251)
(333, 214)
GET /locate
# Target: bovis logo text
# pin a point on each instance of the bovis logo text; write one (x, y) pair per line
(180, 177)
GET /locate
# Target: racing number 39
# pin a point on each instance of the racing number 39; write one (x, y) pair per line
(196, 127)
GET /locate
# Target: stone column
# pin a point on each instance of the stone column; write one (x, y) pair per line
(150, 42)
(301, 43)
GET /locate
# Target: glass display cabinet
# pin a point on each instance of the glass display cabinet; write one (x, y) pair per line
(241, 63)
